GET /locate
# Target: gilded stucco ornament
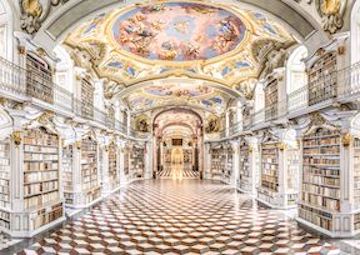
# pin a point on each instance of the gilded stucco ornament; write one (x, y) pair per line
(35, 12)
(346, 139)
(247, 88)
(16, 137)
(213, 124)
(332, 14)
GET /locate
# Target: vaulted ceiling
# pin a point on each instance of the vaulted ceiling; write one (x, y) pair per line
(212, 53)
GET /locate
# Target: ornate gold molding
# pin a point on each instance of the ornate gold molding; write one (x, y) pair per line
(16, 137)
(346, 139)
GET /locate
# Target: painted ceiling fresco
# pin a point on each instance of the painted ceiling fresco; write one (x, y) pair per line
(200, 96)
(128, 59)
(178, 31)
(164, 40)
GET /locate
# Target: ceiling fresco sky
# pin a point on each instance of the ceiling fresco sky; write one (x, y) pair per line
(178, 31)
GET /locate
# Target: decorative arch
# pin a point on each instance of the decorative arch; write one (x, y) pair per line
(185, 110)
(296, 76)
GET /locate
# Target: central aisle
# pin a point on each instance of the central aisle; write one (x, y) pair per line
(178, 217)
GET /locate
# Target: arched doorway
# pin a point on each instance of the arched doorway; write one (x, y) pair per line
(178, 153)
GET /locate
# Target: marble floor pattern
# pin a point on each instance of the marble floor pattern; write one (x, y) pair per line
(181, 217)
(186, 173)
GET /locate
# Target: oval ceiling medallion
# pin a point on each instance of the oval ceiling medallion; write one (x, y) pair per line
(178, 31)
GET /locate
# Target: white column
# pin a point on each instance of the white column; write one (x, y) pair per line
(99, 101)
(282, 176)
(76, 175)
(207, 165)
(227, 123)
(106, 189)
(148, 160)
(128, 124)
(122, 176)
(236, 164)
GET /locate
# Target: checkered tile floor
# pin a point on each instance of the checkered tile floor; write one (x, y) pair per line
(185, 173)
(6, 242)
(181, 217)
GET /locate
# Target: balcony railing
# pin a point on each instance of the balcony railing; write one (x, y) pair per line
(235, 128)
(21, 84)
(298, 99)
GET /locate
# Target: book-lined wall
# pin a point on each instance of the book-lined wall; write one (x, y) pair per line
(89, 170)
(39, 79)
(320, 196)
(113, 166)
(271, 97)
(270, 166)
(5, 184)
(67, 169)
(279, 171)
(322, 78)
(188, 156)
(245, 171)
(87, 98)
(126, 161)
(222, 163)
(218, 161)
(41, 177)
(137, 162)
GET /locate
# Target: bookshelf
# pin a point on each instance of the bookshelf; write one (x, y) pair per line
(271, 97)
(218, 161)
(39, 79)
(126, 161)
(67, 163)
(322, 78)
(89, 170)
(113, 167)
(356, 200)
(270, 166)
(293, 175)
(137, 162)
(320, 196)
(188, 159)
(5, 184)
(229, 164)
(87, 98)
(41, 177)
(279, 162)
(222, 162)
(245, 182)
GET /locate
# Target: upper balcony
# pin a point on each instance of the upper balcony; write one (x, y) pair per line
(21, 85)
(342, 86)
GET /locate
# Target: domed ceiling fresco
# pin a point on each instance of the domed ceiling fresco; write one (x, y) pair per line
(178, 31)
(208, 42)
(193, 95)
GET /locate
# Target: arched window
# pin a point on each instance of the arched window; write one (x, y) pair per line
(295, 70)
(6, 27)
(296, 78)
(65, 75)
(259, 97)
(355, 33)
